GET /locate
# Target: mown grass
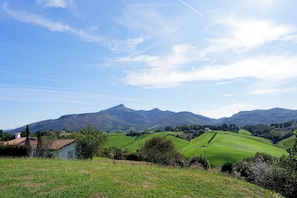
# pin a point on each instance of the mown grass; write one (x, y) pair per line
(229, 147)
(28, 177)
(132, 144)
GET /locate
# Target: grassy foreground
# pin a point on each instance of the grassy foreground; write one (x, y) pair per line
(28, 177)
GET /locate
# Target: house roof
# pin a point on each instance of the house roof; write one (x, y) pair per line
(17, 141)
(51, 144)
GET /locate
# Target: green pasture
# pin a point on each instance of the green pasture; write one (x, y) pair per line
(229, 147)
(287, 143)
(132, 144)
(104, 178)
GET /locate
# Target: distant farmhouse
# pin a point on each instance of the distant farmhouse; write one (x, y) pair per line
(63, 149)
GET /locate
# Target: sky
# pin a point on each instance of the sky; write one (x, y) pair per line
(213, 58)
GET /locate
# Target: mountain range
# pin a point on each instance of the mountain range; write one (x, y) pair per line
(121, 118)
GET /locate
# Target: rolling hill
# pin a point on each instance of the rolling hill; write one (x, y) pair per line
(121, 118)
(225, 146)
(229, 147)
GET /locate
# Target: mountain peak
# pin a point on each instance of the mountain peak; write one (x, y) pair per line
(120, 106)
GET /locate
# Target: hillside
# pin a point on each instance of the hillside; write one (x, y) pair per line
(229, 147)
(275, 115)
(121, 118)
(287, 143)
(225, 147)
(132, 144)
(40, 178)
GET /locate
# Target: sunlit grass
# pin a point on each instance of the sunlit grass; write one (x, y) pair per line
(229, 147)
(27, 177)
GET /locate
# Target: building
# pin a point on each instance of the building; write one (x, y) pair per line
(63, 149)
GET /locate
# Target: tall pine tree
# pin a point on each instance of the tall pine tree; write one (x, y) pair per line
(27, 143)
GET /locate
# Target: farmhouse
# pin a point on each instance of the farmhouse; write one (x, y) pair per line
(63, 149)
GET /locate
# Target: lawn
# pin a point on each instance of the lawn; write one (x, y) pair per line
(28, 177)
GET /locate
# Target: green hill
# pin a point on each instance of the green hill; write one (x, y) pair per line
(225, 147)
(31, 177)
(229, 147)
(287, 143)
(131, 144)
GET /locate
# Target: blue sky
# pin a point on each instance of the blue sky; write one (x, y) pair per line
(213, 58)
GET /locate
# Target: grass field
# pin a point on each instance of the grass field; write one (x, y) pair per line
(225, 147)
(131, 144)
(29, 177)
(287, 143)
(229, 147)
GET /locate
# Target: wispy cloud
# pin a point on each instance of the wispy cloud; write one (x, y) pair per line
(265, 68)
(191, 7)
(229, 109)
(48, 24)
(247, 34)
(54, 3)
(271, 91)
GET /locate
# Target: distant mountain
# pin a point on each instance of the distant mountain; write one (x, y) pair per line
(275, 115)
(126, 119)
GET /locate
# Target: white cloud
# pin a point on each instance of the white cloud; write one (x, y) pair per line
(127, 46)
(272, 91)
(228, 110)
(280, 67)
(247, 34)
(54, 3)
(50, 25)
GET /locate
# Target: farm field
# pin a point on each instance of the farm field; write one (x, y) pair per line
(225, 147)
(31, 177)
(229, 147)
(287, 143)
(131, 144)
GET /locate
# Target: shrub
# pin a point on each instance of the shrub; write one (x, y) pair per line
(227, 167)
(200, 161)
(14, 150)
(161, 151)
(89, 143)
(269, 172)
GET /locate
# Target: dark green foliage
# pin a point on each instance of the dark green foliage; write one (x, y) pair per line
(89, 143)
(118, 154)
(13, 150)
(27, 143)
(133, 157)
(269, 172)
(214, 135)
(161, 151)
(39, 150)
(227, 167)
(274, 132)
(200, 161)
(5, 136)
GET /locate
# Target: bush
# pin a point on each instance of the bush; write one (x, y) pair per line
(161, 151)
(89, 143)
(269, 172)
(200, 161)
(227, 167)
(14, 150)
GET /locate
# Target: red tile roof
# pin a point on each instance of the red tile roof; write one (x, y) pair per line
(18, 141)
(46, 144)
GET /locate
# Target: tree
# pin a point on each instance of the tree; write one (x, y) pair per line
(89, 143)
(39, 149)
(27, 143)
(161, 151)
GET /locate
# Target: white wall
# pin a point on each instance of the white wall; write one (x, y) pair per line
(67, 152)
